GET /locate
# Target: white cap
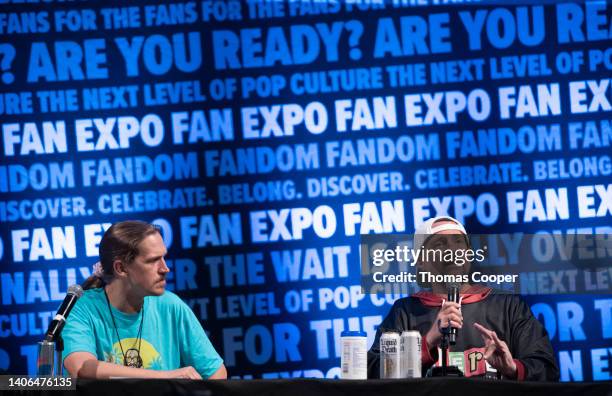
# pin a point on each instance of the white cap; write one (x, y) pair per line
(425, 229)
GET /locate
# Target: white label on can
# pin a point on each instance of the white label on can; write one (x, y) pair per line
(354, 358)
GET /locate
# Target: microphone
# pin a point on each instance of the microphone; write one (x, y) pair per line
(56, 326)
(453, 296)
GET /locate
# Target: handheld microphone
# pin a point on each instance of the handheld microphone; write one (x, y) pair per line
(56, 326)
(453, 296)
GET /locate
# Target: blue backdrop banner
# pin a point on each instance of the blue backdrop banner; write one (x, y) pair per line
(265, 138)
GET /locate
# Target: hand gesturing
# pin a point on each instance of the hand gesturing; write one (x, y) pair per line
(497, 352)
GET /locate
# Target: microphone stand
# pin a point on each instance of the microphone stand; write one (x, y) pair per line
(445, 370)
(51, 348)
(49, 362)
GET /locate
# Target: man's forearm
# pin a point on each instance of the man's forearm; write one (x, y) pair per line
(104, 370)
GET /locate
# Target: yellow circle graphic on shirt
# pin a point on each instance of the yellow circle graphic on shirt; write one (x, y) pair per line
(151, 359)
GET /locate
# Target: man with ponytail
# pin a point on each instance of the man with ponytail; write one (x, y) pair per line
(127, 325)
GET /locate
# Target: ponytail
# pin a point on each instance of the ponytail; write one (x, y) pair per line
(96, 280)
(93, 282)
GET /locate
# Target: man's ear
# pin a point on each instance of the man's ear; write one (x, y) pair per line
(119, 268)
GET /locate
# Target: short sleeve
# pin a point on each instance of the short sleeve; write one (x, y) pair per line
(78, 332)
(195, 347)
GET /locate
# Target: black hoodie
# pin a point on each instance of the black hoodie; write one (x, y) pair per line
(505, 314)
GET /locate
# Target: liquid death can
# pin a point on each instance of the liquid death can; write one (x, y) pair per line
(390, 355)
(410, 354)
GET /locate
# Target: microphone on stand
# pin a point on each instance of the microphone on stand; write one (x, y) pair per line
(449, 336)
(453, 296)
(56, 326)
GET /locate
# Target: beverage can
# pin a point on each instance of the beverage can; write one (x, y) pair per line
(390, 355)
(410, 354)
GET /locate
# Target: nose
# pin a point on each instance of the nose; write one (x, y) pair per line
(163, 269)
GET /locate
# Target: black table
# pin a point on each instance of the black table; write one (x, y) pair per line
(321, 387)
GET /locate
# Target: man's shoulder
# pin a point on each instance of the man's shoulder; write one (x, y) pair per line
(509, 304)
(503, 297)
(89, 304)
(168, 299)
(407, 303)
(92, 297)
(169, 306)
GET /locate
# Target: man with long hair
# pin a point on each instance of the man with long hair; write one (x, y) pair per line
(127, 325)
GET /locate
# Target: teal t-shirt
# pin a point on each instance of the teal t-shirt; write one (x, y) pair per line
(172, 336)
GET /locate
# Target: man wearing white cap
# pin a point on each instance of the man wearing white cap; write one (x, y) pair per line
(497, 332)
